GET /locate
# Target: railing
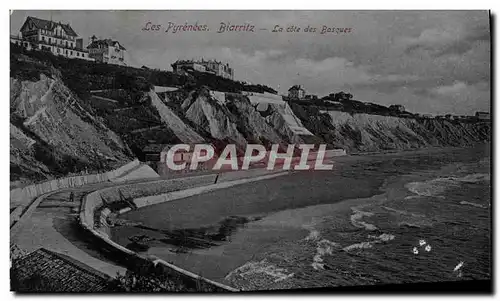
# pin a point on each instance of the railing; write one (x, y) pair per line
(62, 46)
(59, 36)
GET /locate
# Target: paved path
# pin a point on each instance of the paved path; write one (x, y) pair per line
(53, 224)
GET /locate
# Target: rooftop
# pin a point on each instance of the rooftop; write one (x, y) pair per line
(50, 25)
(55, 272)
(105, 42)
(198, 61)
(295, 87)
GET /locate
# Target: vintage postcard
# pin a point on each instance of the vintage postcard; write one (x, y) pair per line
(243, 151)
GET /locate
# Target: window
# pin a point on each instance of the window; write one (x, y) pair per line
(78, 54)
(50, 40)
(71, 52)
(58, 50)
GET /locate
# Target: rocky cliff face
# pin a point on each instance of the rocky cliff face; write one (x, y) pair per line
(183, 131)
(244, 119)
(365, 132)
(229, 117)
(52, 134)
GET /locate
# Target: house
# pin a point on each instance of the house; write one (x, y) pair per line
(107, 51)
(340, 96)
(296, 92)
(397, 108)
(311, 97)
(208, 66)
(483, 115)
(55, 37)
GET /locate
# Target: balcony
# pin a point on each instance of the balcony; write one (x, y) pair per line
(50, 34)
(52, 43)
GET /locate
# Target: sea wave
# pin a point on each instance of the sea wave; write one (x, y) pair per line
(323, 247)
(438, 186)
(259, 270)
(369, 244)
(356, 219)
(473, 204)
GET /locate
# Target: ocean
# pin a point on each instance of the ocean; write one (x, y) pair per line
(395, 218)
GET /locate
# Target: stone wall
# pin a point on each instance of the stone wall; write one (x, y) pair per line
(22, 196)
(153, 265)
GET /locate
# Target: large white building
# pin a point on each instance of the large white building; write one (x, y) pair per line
(107, 51)
(209, 66)
(56, 37)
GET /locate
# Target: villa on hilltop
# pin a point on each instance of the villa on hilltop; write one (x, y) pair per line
(209, 66)
(107, 51)
(55, 37)
(296, 92)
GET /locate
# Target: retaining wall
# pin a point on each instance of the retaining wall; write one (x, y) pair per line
(149, 265)
(22, 196)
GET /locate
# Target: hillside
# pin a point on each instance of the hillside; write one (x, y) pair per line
(68, 116)
(52, 134)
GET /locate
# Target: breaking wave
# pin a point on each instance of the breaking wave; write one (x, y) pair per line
(436, 187)
(369, 244)
(473, 204)
(323, 247)
(259, 271)
(356, 219)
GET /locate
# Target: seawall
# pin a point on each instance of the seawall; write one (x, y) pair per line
(98, 227)
(95, 209)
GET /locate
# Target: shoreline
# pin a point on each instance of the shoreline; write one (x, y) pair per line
(189, 262)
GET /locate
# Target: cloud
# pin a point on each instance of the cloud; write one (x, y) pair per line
(457, 87)
(445, 41)
(390, 57)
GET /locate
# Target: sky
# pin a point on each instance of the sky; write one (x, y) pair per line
(435, 62)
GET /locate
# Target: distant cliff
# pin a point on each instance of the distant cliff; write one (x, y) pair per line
(366, 132)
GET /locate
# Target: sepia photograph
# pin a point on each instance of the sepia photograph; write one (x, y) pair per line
(242, 151)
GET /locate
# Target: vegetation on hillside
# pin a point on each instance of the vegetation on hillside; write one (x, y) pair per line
(84, 76)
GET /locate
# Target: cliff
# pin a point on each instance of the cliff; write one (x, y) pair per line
(51, 134)
(229, 117)
(366, 132)
(260, 118)
(58, 126)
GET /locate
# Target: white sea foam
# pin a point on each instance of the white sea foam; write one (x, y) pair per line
(369, 244)
(383, 237)
(358, 223)
(323, 247)
(263, 267)
(438, 186)
(313, 235)
(361, 245)
(473, 204)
